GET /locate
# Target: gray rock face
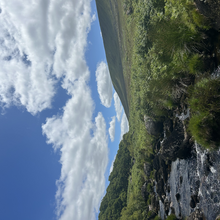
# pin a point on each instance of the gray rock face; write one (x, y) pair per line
(175, 146)
(144, 192)
(153, 127)
(147, 169)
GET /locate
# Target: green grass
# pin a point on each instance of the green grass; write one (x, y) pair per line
(107, 13)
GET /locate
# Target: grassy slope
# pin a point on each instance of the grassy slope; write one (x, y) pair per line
(109, 23)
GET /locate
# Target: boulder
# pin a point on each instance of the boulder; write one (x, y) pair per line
(197, 214)
(176, 146)
(147, 169)
(144, 192)
(153, 127)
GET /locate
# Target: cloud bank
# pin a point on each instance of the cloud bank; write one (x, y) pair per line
(84, 157)
(104, 84)
(40, 40)
(111, 129)
(41, 43)
(124, 125)
(118, 107)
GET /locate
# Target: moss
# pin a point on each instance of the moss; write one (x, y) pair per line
(171, 217)
(195, 64)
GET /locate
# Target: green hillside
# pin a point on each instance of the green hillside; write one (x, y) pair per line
(108, 18)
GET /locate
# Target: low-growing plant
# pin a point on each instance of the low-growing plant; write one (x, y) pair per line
(195, 64)
(157, 218)
(200, 20)
(205, 106)
(171, 217)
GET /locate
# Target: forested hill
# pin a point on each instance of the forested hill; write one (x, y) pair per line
(107, 14)
(116, 197)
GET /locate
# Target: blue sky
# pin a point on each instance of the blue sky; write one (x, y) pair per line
(56, 108)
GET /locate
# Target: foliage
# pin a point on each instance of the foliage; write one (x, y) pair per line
(157, 218)
(116, 195)
(205, 105)
(171, 217)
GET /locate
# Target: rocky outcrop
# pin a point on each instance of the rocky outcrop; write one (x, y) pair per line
(175, 146)
(197, 214)
(147, 169)
(153, 127)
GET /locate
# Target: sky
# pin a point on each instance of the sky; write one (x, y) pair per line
(61, 120)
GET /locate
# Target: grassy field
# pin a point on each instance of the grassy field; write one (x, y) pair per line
(109, 22)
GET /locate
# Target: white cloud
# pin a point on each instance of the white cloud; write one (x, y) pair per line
(39, 40)
(124, 125)
(84, 157)
(112, 165)
(42, 42)
(104, 84)
(111, 129)
(118, 107)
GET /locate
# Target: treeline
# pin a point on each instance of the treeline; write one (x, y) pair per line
(116, 194)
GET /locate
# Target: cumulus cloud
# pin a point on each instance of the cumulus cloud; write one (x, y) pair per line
(40, 40)
(118, 107)
(43, 42)
(111, 129)
(124, 125)
(104, 84)
(83, 157)
(112, 165)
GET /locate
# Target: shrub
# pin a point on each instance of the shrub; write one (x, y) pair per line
(200, 20)
(195, 64)
(171, 217)
(204, 124)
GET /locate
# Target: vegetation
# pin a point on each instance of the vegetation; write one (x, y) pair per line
(205, 105)
(163, 47)
(171, 217)
(116, 196)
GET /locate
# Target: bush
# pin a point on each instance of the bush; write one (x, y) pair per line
(195, 64)
(171, 217)
(204, 124)
(200, 20)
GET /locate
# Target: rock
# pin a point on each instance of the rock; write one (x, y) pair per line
(153, 127)
(197, 214)
(168, 125)
(194, 201)
(181, 179)
(178, 197)
(147, 169)
(144, 192)
(218, 217)
(160, 189)
(156, 163)
(175, 146)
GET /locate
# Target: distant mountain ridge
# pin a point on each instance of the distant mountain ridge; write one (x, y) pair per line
(108, 23)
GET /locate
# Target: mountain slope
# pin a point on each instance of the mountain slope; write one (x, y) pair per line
(109, 27)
